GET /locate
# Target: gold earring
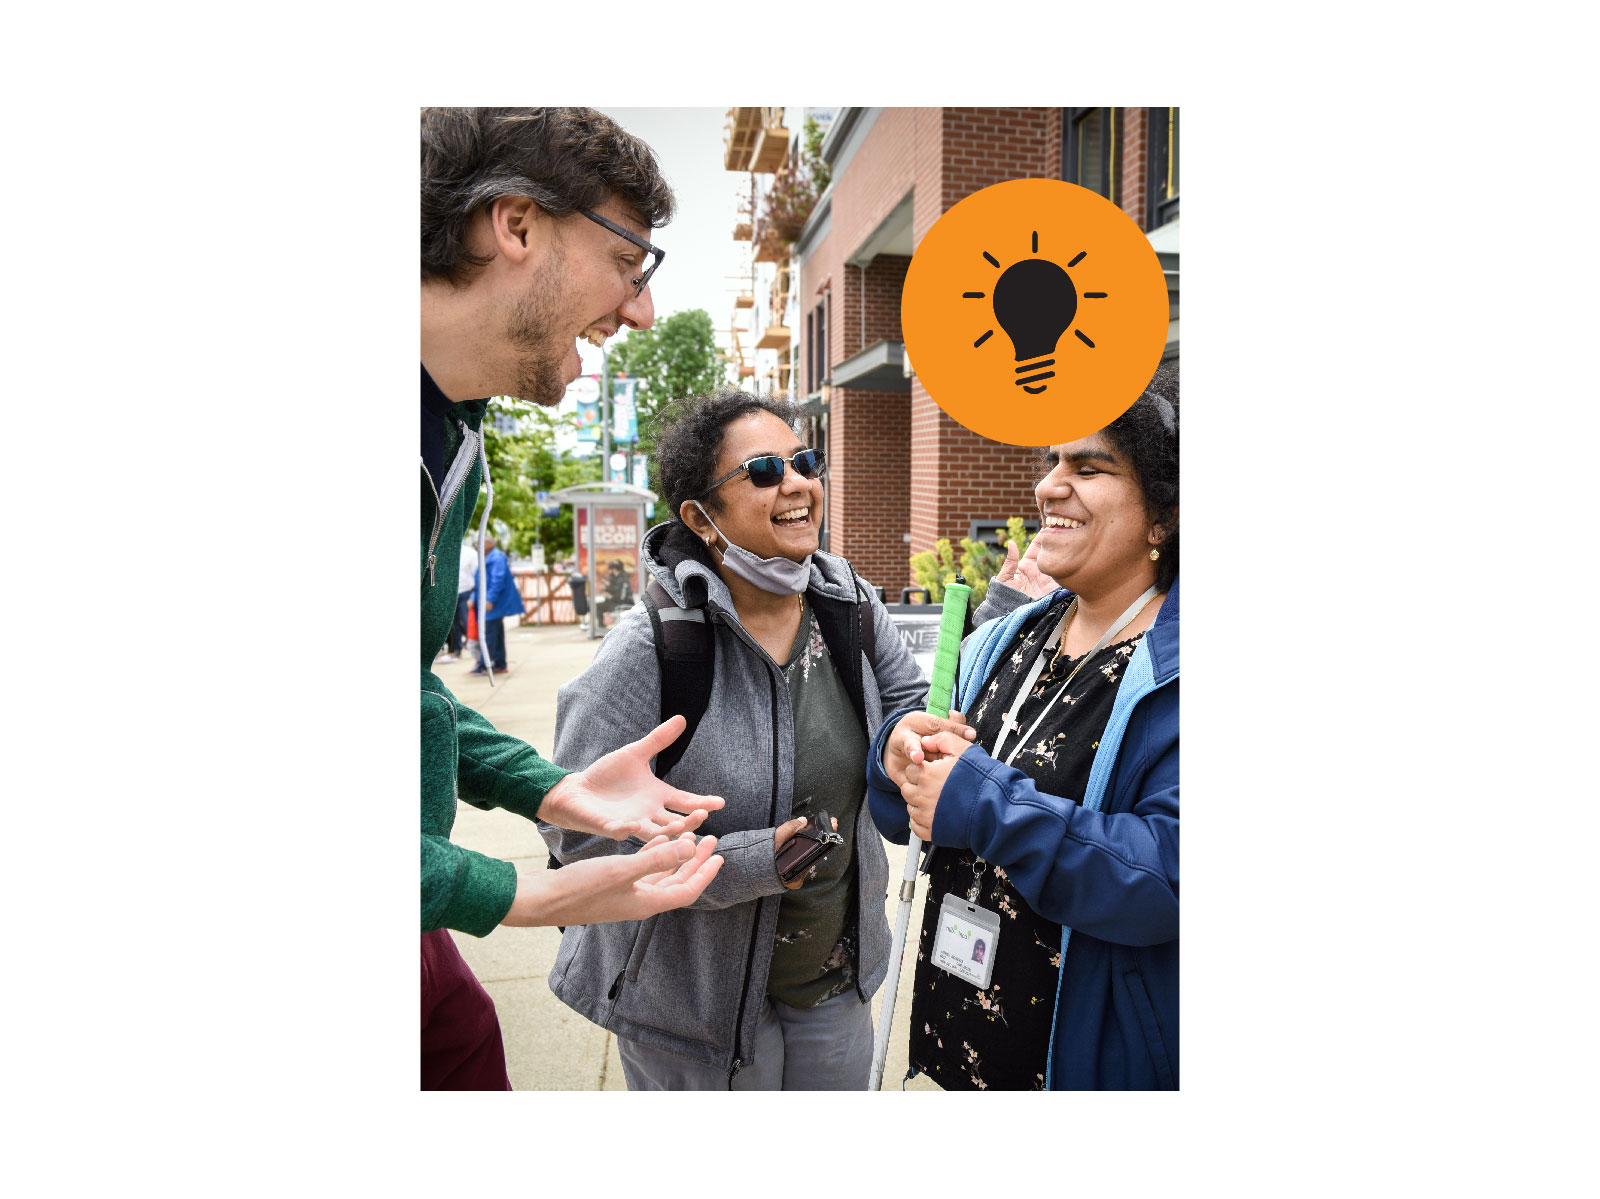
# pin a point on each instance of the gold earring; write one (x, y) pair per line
(1154, 554)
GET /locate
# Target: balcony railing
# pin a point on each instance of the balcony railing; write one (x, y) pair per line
(771, 149)
(740, 134)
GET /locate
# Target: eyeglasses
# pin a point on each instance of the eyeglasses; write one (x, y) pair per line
(767, 470)
(639, 283)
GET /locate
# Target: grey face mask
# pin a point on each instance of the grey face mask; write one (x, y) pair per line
(780, 576)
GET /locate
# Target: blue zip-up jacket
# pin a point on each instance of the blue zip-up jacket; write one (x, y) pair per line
(500, 588)
(1105, 867)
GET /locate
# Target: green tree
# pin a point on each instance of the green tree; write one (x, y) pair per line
(936, 568)
(821, 174)
(675, 359)
(520, 443)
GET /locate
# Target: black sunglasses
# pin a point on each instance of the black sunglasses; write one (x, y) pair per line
(642, 280)
(767, 470)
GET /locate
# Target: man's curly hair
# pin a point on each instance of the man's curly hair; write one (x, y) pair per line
(563, 159)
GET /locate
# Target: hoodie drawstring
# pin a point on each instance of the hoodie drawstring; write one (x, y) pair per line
(483, 525)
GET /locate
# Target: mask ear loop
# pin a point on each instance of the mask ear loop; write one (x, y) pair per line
(712, 544)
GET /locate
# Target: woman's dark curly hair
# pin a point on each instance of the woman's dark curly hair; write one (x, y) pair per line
(1147, 436)
(688, 438)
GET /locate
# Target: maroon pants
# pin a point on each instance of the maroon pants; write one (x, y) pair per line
(461, 1046)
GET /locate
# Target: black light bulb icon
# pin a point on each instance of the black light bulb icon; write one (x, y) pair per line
(1034, 302)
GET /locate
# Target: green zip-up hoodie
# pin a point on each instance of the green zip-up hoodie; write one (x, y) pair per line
(463, 755)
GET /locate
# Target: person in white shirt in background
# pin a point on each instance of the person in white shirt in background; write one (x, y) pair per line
(467, 576)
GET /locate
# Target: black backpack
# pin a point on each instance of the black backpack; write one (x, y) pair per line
(684, 642)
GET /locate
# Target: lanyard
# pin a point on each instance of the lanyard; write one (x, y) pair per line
(1010, 724)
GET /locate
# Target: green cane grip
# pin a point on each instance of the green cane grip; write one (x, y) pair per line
(943, 680)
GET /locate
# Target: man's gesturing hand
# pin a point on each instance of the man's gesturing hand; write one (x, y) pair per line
(661, 876)
(618, 797)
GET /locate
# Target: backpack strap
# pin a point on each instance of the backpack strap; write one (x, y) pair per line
(686, 658)
(868, 625)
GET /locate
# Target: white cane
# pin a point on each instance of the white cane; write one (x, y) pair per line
(940, 687)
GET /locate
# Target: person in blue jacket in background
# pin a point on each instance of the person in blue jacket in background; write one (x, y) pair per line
(1061, 819)
(501, 599)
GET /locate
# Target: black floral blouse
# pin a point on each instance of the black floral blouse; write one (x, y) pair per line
(998, 1040)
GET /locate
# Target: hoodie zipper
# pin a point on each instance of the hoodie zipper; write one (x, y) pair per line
(454, 480)
(854, 625)
(750, 956)
(716, 615)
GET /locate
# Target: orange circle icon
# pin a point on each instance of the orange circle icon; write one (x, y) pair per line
(1034, 312)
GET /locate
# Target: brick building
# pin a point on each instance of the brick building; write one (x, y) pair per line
(903, 474)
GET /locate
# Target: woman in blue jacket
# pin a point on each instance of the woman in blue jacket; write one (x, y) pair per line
(1060, 823)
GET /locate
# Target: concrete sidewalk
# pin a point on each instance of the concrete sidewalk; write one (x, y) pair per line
(550, 1047)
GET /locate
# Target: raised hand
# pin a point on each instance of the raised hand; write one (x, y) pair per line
(1023, 573)
(618, 797)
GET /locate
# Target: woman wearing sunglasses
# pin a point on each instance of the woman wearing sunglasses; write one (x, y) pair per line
(762, 984)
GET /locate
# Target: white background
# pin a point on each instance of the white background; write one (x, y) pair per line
(1387, 438)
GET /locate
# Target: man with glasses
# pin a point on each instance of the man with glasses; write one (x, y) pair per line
(534, 225)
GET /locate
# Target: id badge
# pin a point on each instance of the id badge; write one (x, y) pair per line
(966, 942)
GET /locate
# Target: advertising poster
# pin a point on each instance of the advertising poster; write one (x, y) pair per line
(624, 412)
(615, 545)
(586, 390)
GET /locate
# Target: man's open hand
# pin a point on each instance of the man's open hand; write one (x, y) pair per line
(665, 874)
(618, 797)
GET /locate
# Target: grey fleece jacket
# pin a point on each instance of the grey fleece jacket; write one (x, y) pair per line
(692, 984)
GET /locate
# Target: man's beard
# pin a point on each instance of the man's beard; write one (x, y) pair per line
(540, 355)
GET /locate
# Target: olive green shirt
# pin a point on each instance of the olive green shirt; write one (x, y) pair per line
(814, 955)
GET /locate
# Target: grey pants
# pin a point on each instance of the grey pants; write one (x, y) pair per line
(822, 1048)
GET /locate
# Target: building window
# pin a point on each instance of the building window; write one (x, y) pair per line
(817, 348)
(811, 353)
(1091, 149)
(1163, 166)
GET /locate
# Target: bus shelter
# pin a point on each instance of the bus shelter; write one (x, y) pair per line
(609, 522)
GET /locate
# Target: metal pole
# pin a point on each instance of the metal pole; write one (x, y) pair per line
(628, 468)
(605, 418)
(941, 685)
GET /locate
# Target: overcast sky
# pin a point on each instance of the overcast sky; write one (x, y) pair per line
(699, 241)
